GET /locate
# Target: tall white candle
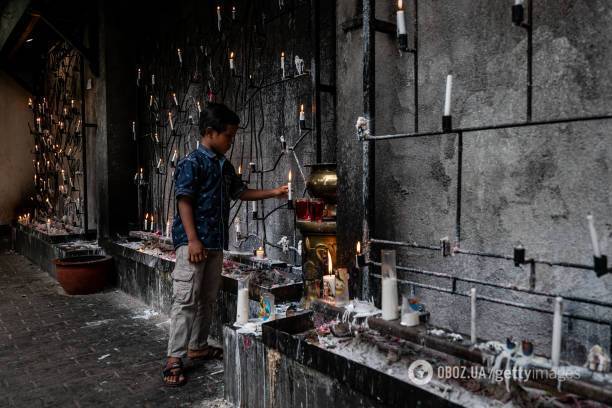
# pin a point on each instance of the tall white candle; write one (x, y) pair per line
(174, 98)
(254, 207)
(199, 107)
(237, 225)
(556, 335)
(389, 299)
(594, 239)
(180, 55)
(146, 222)
(401, 22)
(219, 18)
(283, 63)
(233, 12)
(473, 315)
(447, 100)
(170, 120)
(153, 79)
(231, 60)
(290, 192)
(242, 311)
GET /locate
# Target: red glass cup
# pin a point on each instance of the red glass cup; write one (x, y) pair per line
(317, 206)
(302, 209)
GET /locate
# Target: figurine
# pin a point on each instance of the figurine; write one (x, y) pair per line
(299, 65)
(597, 360)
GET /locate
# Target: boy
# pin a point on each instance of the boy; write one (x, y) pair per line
(205, 181)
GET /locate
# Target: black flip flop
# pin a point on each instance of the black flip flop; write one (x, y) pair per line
(175, 370)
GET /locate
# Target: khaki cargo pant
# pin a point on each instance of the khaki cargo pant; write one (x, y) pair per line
(194, 292)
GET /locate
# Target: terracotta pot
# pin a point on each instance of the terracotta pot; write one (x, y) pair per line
(82, 275)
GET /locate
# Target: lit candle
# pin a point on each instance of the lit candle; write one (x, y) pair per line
(556, 335)
(329, 281)
(48, 224)
(447, 100)
(151, 100)
(289, 192)
(237, 226)
(240, 169)
(170, 120)
(152, 224)
(219, 18)
(159, 162)
(231, 60)
(134, 130)
(156, 136)
(138, 76)
(38, 123)
(146, 222)
(260, 253)
(173, 160)
(180, 55)
(141, 173)
(594, 239)
(254, 208)
(233, 12)
(302, 117)
(174, 98)
(199, 107)
(401, 22)
(30, 104)
(283, 63)
(72, 103)
(153, 79)
(473, 315)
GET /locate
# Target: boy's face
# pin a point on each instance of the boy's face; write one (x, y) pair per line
(221, 142)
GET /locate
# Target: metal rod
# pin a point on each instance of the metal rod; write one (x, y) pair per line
(415, 61)
(495, 300)
(458, 198)
(372, 136)
(368, 148)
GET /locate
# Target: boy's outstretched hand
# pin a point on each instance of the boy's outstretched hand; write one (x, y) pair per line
(281, 191)
(197, 252)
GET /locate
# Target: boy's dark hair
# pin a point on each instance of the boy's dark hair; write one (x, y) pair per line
(217, 116)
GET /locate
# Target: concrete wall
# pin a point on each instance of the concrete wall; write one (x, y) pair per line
(17, 181)
(532, 185)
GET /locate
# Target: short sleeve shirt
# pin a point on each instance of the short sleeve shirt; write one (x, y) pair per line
(210, 180)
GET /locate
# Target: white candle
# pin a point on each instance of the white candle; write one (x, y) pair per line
(233, 12)
(518, 2)
(329, 280)
(134, 130)
(39, 125)
(170, 120)
(447, 100)
(389, 299)
(594, 239)
(152, 224)
(174, 98)
(401, 22)
(49, 225)
(237, 225)
(153, 79)
(180, 55)
(242, 311)
(290, 192)
(302, 113)
(473, 315)
(138, 76)
(199, 107)
(254, 207)
(219, 18)
(556, 335)
(151, 100)
(173, 160)
(168, 227)
(259, 253)
(283, 63)
(231, 60)
(146, 222)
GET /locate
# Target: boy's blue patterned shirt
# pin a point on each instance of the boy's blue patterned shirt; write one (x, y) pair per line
(211, 182)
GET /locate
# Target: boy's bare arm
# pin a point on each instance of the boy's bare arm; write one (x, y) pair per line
(254, 195)
(197, 252)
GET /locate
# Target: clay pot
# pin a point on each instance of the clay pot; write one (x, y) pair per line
(82, 275)
(322, 182)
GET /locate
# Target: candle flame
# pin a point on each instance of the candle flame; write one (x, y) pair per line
(329, 263)
(302, 108)
(283, 54)
(399, 4)
(232, 55)
(358, 248)
(240, 169)
(218, 8)
(146, 216)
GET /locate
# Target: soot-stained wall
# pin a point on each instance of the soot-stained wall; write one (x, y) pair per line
(531, 185)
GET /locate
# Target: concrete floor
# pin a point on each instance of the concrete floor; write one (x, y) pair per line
(98, 350)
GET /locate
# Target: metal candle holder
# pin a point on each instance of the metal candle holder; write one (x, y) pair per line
(445, 247)
(518, 14)
(519, 256)
(402, 40)
(360, 260)
(600, 265)
(447, 123)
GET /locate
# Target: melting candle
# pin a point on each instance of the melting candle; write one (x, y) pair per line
(289, 192)
(401, 21)
(329, 281)
(594, 239)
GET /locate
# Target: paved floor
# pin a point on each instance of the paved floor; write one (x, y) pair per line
(97, 350)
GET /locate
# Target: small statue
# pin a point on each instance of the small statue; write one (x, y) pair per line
(299, 65)
(284, 243)
(597, 360)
